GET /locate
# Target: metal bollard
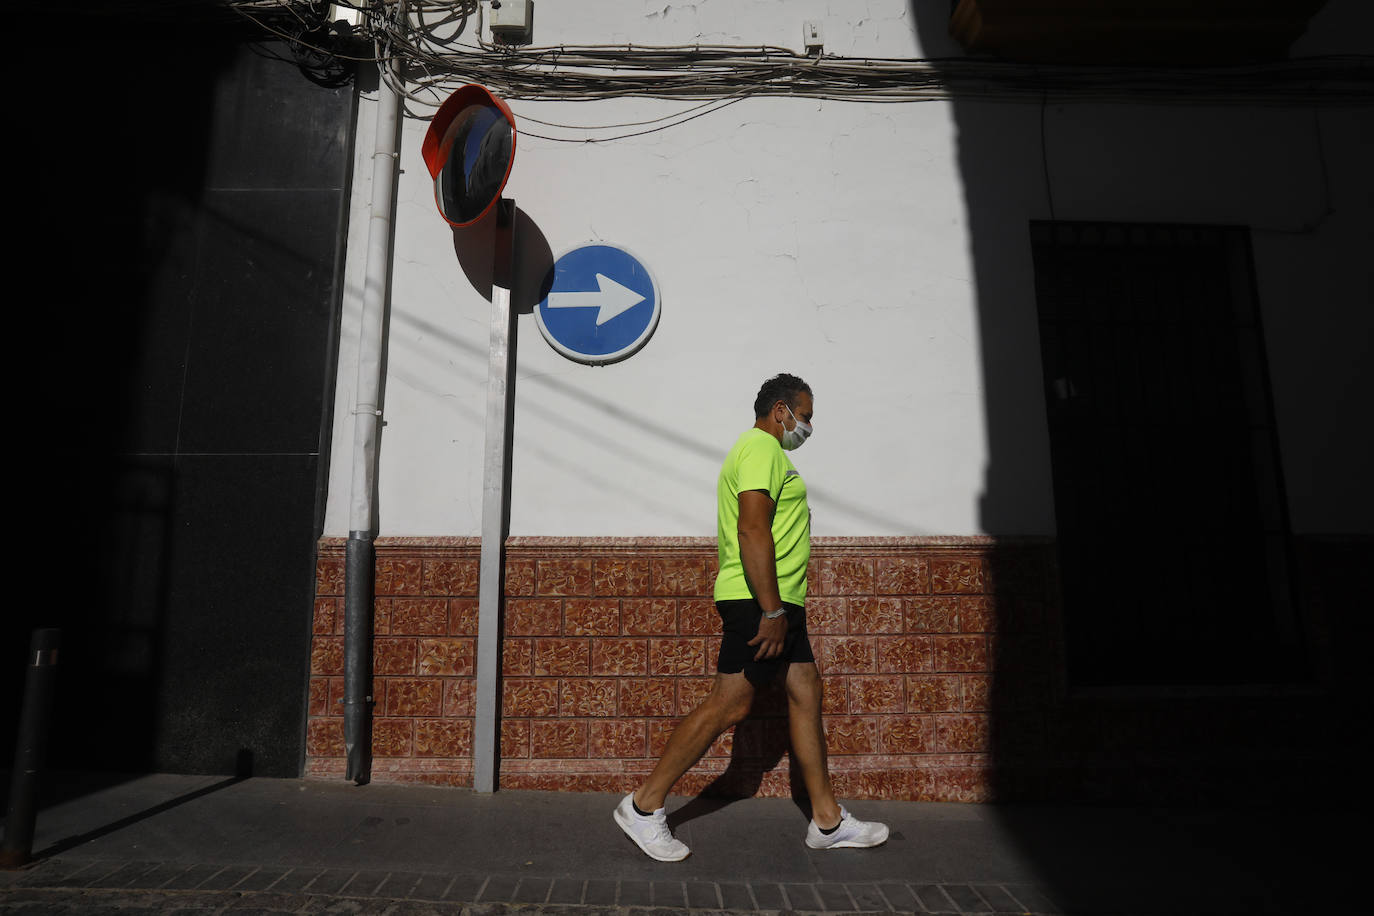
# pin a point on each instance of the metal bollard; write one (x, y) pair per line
(29, 748)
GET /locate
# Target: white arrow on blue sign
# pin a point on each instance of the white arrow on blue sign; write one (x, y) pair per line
(602, 306)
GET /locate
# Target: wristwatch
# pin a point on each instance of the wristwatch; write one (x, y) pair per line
(774, 615)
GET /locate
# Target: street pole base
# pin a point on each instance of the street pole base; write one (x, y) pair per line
(10, 859)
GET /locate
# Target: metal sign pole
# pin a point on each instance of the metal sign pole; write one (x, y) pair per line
(486, 745)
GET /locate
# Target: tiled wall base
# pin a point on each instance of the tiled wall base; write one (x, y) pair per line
(609, 642)
(942, 663)
(424, 642)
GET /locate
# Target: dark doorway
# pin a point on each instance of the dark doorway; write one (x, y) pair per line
(1173, 534)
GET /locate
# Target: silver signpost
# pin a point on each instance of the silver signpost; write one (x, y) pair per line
(486, 751)
(469, 149)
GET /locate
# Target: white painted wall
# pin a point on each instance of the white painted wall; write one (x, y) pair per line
(834, 240)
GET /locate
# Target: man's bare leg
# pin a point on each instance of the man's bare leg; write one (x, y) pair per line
(808, 741)
(727, 704)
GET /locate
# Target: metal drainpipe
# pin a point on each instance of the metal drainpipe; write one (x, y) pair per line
(360, 555)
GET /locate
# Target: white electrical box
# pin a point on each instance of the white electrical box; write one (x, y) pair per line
(813, 36)
(510, 17)
(352, 16)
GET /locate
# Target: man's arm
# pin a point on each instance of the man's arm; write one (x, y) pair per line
(758, 556)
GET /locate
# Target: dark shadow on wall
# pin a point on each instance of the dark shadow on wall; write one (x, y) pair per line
(1048, 739)
(475, 247)
(1027, 671)
(180, 233)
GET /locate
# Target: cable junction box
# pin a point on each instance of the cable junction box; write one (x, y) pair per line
(510, 17)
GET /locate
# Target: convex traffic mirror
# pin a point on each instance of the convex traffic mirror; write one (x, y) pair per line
(469, 148)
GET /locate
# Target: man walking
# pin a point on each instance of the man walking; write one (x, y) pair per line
(763, 526)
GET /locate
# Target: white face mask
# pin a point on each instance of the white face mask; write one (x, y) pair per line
(794, 437)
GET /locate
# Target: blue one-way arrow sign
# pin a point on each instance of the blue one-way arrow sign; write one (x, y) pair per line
(609, 300)
(602, 306)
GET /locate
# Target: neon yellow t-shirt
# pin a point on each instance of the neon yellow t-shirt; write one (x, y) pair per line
(758, 462)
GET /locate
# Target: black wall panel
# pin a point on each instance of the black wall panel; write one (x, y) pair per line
(183, 223)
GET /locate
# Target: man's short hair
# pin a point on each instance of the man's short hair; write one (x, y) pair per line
(781, 387)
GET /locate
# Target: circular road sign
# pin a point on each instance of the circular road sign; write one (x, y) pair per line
(602, 306)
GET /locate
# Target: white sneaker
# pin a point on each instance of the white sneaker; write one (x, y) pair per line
(851, 833)
(650, 832)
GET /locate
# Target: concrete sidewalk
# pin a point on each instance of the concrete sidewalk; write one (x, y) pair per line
(160, 843)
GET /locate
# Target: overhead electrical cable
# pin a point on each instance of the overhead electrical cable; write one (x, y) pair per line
(438, 47)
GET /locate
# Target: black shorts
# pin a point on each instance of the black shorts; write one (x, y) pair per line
(739, 620)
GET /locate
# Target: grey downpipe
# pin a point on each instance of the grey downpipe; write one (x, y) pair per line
(360, 555)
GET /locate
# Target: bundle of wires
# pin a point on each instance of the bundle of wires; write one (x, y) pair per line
(438, 45)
